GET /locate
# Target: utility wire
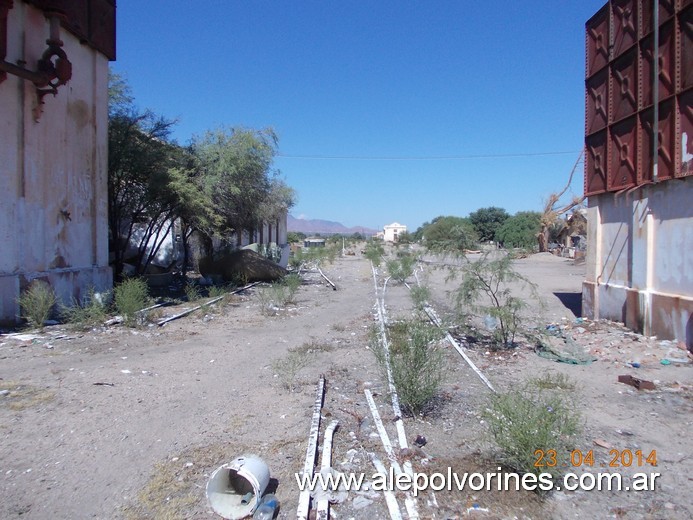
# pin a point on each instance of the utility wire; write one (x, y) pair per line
(422, 158)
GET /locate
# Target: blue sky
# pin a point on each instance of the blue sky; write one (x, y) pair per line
(385, 110)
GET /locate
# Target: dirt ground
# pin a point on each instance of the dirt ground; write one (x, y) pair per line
(130, 423)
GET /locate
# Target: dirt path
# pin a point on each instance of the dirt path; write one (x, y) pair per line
(178, 401)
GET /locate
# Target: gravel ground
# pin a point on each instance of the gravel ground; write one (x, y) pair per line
(130, 423)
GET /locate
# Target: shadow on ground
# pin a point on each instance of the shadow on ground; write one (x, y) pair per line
(572, 301)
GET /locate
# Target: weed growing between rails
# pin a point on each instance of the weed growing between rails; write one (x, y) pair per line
(401, 267)
(416, 363)
(486, 291)
(538, 418)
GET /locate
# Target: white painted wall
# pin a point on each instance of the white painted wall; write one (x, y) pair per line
(392, 231)
(640, 259)
(51, 167)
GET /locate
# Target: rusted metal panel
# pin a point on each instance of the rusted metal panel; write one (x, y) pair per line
(78, 19)
(624, 76)
(92, 21)
(625, 25)
(102, 26)
(597, 41)
(686, 51)
(685, 137)
(666, 148)
(597, 102)
(595, 163)
(666, 11)
(667, 64)
(623, 162)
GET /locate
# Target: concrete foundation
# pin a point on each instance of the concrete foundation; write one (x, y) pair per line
(640, 259)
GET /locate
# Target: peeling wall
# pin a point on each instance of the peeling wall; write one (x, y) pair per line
(53, 169)
(640, 259)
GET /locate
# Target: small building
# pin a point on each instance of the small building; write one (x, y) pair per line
(314, 242)
(392, 232)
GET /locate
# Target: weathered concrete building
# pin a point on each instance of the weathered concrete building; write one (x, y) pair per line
(640, 210)
(53, 146)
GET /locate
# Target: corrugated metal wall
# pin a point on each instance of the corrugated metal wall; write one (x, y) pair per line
(619, 90)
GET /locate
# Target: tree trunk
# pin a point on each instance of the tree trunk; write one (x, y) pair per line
(543, 238)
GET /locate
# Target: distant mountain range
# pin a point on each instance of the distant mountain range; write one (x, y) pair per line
(326, 227)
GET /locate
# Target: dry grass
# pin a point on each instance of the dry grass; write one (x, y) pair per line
(176, 491)
(500, 504)
(21, 396)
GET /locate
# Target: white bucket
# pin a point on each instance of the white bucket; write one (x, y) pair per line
(234, 490)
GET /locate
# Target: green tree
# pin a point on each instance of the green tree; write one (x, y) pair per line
(449, 235)
(405, 238)
(487, 221)
(485, 290)
(520, 230)
(142, 190)
(295, 236)
(236, 166)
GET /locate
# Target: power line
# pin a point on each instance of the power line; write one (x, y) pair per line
(423, 158)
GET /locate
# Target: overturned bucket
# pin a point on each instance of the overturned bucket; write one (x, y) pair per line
(234, 490)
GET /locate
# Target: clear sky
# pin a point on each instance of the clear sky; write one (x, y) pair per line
(385, 110)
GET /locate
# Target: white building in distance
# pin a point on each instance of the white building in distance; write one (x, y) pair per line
(393, 231)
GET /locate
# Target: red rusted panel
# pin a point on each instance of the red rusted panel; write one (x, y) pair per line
(78, 19)
(595, 163)
(597, 41)
(667, 64)
(666, 11)
(625, 25)
(597, 101)
(666, 149)
(686, 53)
(92, 21)
(624, 77)
(685, 141)
(623, 162)
(102, 26)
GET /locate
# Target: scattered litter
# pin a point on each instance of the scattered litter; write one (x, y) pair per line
(333, 496)
(420, 441)
(103, 384)
(640, 384)
(477, 508)
(114, 321)
(23, 337)
(126, 371)
(360, 502)
(602, 444)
